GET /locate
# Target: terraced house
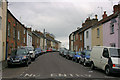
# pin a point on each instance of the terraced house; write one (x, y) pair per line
(97, 33)
(16, 33)
(111, 28)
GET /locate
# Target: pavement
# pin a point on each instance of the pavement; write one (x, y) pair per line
(52, 65)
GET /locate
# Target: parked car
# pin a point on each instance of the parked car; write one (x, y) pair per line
(43, 51)
(31, 51)
(77, 57)
(82, 57)
(37, 52)
(61, 51)
(65, 52)
(19, 56)
(106, 58)
(54, 50)
(70, 55)
(86, 58)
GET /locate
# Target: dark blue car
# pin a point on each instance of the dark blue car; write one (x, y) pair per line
(76, 57)
(19, 56)
(85, 57)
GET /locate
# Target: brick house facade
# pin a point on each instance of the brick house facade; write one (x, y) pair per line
(15, 33)
(36, 40)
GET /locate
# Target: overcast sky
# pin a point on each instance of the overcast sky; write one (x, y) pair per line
(59, 17)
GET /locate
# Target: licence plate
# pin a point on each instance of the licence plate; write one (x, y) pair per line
(16, 61)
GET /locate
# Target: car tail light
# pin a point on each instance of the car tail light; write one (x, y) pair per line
(113, 65)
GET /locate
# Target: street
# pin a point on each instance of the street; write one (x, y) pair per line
(52, 65)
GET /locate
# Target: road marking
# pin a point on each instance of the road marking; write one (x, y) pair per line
(82, 75)
(53, 75)
(34, 75)
(77, 75)
(90, 71)
(62, 75)
(27, 75)
(71, 75)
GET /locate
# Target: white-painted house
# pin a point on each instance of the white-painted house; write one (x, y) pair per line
(29, 37)
(87, 39)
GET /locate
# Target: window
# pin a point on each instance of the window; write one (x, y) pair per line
(0, 21)
(14, 32)
(81, 48)
(81, 37)
(0, 3)
(24, 31)
(37, 40)
(8, 29)
(88, 48)
(112, 45)
(87, 34)
(98, 32)
(18, 35)
(112, 29)
(76, 36)
(24, 39)
(76, 48)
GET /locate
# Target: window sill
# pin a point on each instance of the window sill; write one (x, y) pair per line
(112, 33)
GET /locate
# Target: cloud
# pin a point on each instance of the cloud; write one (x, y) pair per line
(57, 17)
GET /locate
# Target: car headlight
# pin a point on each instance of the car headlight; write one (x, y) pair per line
(24, 57)
(8, 58)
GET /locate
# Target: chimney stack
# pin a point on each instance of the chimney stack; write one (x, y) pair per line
(104, 15)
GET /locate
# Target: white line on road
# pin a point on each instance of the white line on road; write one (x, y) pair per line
(71, 75)
(62, 75)
(90, 71)
(28, 75)
(77, 75)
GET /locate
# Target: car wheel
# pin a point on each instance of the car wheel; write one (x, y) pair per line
(72, 59)
(76, 60)
(92, 66)
(67, 57)
(107, 71)
(9, 66)
(84, 63)
(26, 64)
(80, 61)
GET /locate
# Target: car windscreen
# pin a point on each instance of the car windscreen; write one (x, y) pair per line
(13, 53)
(114, 52)
(72, 52)
(21, 52)
(29, 49)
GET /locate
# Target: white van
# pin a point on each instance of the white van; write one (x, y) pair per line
(105, 58)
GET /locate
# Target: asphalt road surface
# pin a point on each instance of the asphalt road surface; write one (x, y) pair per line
(52, 65)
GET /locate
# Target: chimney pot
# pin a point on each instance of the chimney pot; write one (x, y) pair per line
(104, 15)
(96, 16)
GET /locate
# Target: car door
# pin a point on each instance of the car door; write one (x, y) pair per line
(104, 58)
